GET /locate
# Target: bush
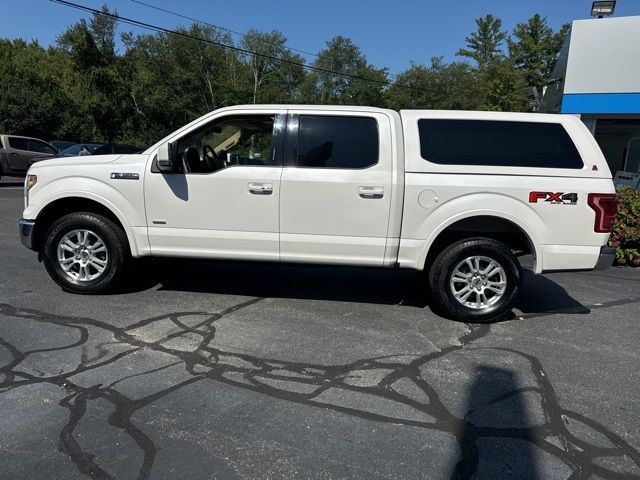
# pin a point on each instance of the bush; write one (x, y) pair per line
(625, 234)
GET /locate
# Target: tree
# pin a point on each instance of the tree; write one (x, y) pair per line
(285, 84)
(174, 79)
(31, 95)
(268, 47)
(343, 56)
(103, 30)
(501, 86)
(97, 87)
(485, 44)
(504, 87)
(559, 39)
(438, 86)
(534, 49)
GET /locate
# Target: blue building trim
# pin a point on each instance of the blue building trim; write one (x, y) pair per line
(601, 103)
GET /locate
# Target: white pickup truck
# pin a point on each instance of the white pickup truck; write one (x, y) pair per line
(457, 194)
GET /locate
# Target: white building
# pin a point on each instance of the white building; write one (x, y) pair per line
(597, 76)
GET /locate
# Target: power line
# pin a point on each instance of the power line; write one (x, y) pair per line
(219, 27)
(149, 26)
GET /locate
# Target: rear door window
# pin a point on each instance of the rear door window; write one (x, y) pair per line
(497, 143)
(337, 142)
(19, 143)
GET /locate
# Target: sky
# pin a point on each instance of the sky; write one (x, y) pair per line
(390, 33)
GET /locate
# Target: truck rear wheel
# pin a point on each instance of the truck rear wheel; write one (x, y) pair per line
(475, 280)
(84, 252)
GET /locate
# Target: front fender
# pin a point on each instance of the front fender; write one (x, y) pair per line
(121, 204)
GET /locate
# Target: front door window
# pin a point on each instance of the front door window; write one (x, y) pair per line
(227, 142)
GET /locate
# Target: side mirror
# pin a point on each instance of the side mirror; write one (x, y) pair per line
(166, 160)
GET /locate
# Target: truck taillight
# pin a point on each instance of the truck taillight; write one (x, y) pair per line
(605, 206)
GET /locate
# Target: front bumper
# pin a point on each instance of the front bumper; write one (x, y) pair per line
(605, 260)
(26, 228)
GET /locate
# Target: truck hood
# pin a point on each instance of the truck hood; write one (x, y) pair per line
(71, 161)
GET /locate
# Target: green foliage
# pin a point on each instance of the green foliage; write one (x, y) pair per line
(31, 89)
(485, 44)
(534, 49)
(452, 86)
(83, 89)
(173, 79)
(342, 55)
(504, 79)
(262, 67)
(625, 234)
(504, 87)
(96, 85)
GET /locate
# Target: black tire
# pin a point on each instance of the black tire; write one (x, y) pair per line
(111, 235)
(442, 269)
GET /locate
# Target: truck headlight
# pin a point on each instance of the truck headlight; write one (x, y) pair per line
(29, 182)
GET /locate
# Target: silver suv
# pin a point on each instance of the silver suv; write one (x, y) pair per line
(16, 151)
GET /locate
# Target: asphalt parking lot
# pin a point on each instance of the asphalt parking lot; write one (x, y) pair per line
(241, 371)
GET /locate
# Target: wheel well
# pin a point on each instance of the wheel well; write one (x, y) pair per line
(64, 206)
(496, 228)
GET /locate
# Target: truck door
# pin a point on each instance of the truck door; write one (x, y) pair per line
(336, 187)
(223, 203)
(18, 153)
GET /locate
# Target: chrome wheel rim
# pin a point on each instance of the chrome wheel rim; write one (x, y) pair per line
(82, 255)
(478, 282)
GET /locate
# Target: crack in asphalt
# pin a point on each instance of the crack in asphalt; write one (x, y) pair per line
(300, 383)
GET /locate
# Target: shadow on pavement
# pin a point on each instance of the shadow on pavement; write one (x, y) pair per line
(542, 295)
(366, 285)
(496, 404)
(11, 184)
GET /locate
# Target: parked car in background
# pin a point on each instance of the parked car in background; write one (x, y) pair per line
(61, 144)
(94, 149)
(16, 151)
(74, 150)
(116, 148)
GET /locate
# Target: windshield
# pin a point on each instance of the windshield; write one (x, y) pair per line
(74, 150)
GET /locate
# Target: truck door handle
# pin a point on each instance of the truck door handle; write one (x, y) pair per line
(260, 188)
(371, 192)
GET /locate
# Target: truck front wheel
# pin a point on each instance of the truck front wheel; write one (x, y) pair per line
(84, 252)
(475, 280)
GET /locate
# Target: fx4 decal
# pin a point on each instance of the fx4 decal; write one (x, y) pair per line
(554, 198)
